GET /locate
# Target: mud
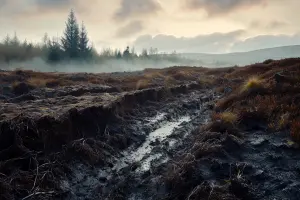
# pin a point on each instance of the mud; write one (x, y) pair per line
(89, 128)
(176, 160)
(160, 135)
(96, 142)
(259, 166)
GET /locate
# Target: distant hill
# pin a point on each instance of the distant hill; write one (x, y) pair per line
(244, 58)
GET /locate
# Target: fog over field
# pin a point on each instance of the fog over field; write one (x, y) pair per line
(105, 66)
(182, 59)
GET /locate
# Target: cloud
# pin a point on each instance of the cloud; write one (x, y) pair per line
(3, 2)
(136, 8)
(219, 7)
(55, 3)
(130, 29)
(215, 42)
(275, 24)
(26, 8)
(266, 41)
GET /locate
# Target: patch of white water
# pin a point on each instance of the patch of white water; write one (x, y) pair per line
(156, 118)
(154, 137)
(146, 164)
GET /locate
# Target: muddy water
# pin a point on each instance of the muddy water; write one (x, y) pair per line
(155, 137)
(260, 165)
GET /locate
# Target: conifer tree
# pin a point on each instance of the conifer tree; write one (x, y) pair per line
(144, 53)
(15, 41)
(55, 52)
(126, 53)
(46, 41)
(119, 54)
(84, 48)
(6, 40)
(70, 40)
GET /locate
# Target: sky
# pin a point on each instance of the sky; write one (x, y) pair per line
(206, 26)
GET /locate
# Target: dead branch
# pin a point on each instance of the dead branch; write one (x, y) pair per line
(38, 193)
(37, 173)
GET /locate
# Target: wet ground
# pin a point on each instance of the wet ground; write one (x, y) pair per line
(163, 132)
(173, 161)
(100, 136)
(154, 149)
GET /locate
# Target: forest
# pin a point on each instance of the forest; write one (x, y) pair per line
(74, 44)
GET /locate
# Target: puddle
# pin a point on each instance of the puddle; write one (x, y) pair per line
(152, 140)
(172, 143)
(146, 165)
(157, 118)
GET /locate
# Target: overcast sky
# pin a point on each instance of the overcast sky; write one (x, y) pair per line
(209, 26)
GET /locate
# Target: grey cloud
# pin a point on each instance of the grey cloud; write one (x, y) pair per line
(55, 3)
(217, 7)
(3, 2)
(266, 41)
(40, 3)
(17, 9)
(268, 25)
(216, 42)
(130, 29)
(132, 8)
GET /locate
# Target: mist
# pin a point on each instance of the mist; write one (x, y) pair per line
(109, 65)
(105, 66)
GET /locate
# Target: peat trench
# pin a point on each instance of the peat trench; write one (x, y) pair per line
(160, 127)
(170, 160)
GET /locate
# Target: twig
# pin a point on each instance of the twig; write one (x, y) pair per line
(37, 193)
(211, 191)
(47, 164)
(3, 174)
(37, 173)
(193, 192)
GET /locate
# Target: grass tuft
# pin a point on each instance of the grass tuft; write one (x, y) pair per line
(228, 117)
(37, 82)
(295, 131)
(252, 83)
(142, 84)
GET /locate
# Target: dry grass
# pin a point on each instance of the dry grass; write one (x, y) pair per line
(252, 84)
(295, 131)
(148, 78)
(260, 100)
(153, 75)
(142, 84)
(227, 117)
(225, 122)
(38, 82)
(169, 81)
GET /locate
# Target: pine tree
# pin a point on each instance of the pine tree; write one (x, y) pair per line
(55, 53)
(6, 40)
(25, 43)
(46, 41)
(15, 41)
(144, 53)
(70, 41)
(132, 52)
(119, 54)
(126, 53)
(84, 48)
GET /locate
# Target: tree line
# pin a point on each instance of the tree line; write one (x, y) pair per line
(73, 45)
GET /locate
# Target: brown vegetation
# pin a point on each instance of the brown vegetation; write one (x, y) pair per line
(35, 138)
(148, 78)
(264, 99)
